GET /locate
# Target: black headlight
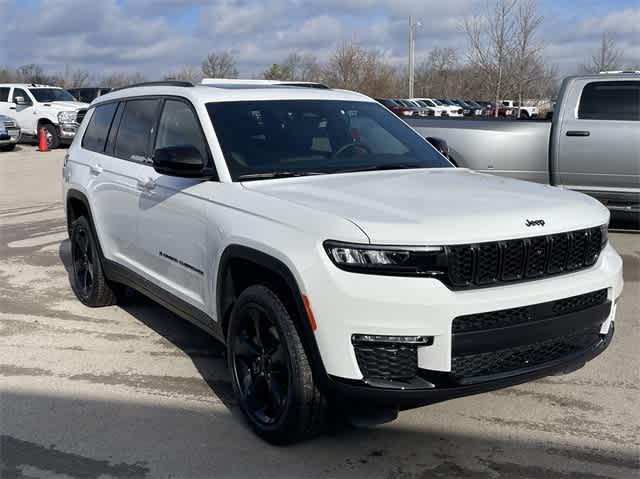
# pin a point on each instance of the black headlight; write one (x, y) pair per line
(390, 260)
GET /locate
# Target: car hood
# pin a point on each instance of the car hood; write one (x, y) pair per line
(439, 206)
(67, 105)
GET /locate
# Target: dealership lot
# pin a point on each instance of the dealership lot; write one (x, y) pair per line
(133, 391)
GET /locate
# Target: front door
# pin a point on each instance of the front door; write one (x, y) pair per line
(173, 213)
(24, 113)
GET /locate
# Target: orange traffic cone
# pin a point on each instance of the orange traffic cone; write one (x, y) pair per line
(42, 140)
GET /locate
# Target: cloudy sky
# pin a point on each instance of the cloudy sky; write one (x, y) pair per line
(156, 36)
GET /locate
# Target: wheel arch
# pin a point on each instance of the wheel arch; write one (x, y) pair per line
(232, 278)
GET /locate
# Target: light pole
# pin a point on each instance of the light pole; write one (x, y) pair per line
(412, 47)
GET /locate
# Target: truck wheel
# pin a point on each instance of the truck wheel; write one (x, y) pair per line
(87, 276)
(51, 134)
(270, 372)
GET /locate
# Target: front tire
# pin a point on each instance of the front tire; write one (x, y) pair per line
(270, 371)
(51, 134)
(88, 280)
(10, 147)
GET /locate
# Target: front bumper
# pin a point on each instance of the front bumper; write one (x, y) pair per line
(406, 398)
(347, 304)
(67, 131)
(9, 136)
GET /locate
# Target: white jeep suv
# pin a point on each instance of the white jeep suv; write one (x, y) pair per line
(35, 106)
(341, 259)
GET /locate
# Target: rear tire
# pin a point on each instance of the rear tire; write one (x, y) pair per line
(270, 371)
(88, 280)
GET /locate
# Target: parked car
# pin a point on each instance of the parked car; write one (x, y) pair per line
(478, 109)
(88, 94)
(41, 106)
(438, 108)
(454, 108)
(9, 133)
(520, 111)
(490, 108)
(336, 253)
(398, 108)
(423, 108)
(467, 109)
(591, 145)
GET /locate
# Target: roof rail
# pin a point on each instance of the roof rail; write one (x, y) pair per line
(613, 72)
(248, 83)
(157, 83)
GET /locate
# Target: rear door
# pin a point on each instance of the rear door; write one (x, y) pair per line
(115, 188)
(172, 212)
(599, 146)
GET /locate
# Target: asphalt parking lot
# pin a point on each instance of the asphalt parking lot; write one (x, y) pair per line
(134, 391)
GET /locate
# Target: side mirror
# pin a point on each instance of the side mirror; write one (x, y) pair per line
(184, 161)
(19, 100)
(440, 145)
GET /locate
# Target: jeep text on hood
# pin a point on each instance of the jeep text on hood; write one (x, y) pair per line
(440, 206)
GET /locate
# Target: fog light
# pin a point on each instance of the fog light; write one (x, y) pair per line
(376, 338)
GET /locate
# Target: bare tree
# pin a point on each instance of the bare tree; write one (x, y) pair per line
(302, 67)
(605, 58)
(117, 80)
(75, 78)
(34, 73)
(528, 68)
(189, 73)
(219, 65)
(353, 67)
(491, 42)
(434, 76)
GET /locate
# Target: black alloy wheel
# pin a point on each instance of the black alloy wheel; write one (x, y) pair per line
(83, 263)
(87, 277)
(270, 372)
(260, 366)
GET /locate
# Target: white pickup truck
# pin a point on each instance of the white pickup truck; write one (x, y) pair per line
(525, 111)
(41, 106)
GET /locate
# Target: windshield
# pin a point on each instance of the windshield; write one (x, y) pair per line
(44, 95)
(266, 139)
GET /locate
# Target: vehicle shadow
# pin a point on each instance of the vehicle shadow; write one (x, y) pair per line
(205, 352)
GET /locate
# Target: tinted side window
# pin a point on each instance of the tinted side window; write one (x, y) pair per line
(4, 94)
(613, 100)
(138, 120)
(180, 127)
(96, 135)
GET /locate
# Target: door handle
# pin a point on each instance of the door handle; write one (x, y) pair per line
(578, 133)
(146, 184)
(96, 169)
(12, 108)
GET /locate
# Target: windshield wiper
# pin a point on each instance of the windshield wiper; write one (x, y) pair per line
(277, 174)
(383, 166)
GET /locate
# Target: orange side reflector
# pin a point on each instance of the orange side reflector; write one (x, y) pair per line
(307, 307)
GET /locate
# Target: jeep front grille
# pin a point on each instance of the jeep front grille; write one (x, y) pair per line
(484, 264)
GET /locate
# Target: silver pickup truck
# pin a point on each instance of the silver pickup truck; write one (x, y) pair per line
(592, 144)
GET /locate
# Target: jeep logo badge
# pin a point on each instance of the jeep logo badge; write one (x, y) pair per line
(534, 223)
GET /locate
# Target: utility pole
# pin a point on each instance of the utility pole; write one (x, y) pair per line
(411, 54)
